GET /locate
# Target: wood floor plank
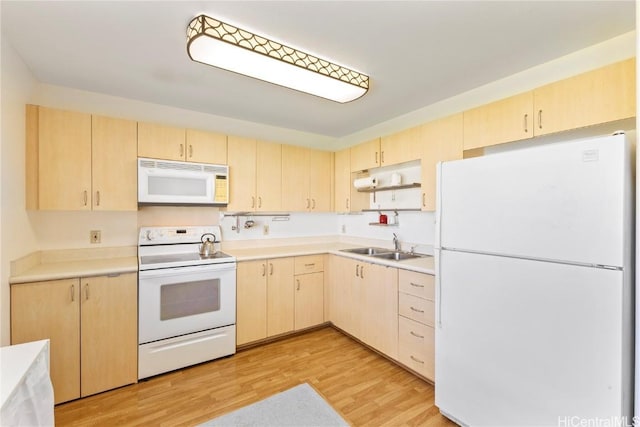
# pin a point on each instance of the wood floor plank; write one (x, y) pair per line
(365, 388)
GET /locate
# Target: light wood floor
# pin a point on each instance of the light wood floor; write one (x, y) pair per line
(365, 388)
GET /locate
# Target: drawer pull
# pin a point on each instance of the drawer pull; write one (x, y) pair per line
(416, 285)
(417, 360)
(416, 310)
(416, 335)
(310, 265)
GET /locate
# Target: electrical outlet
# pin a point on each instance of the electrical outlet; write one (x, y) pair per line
(94, 236)
(265, 229)
(344, 229)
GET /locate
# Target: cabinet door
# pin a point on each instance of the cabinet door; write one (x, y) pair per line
(114, 164)
(309, 300)
(365, 155)
(507, 120)
(64, 160)
(269, 176)
(280, 296)
(206, 147)
(241, 157)
(295, 179)
(440, 141)
(399, 147)
(342, 181)
(109, 332)
(251, 323)
(380, 308)
(161, 142)
(51, 310)
(320, 172)
(598, 96)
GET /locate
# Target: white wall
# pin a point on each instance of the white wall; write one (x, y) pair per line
(17, 237)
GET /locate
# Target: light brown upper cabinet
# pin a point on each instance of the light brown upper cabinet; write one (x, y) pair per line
(306, 179)
(441, 140)
(365, 155)
(255, 175)
(603, 95)
(76, 161)
(342, 173)
(599, 96)
(509, 119)
(206, 147)
(400, 147)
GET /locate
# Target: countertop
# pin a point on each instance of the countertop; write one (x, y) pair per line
(424, 264)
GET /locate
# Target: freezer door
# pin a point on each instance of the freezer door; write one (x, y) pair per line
(565, 201)
(521, 342)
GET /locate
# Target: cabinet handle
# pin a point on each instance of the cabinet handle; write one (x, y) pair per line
(86, 292)
(376, 157)
(416, 310)
(540, 119)
(259, 201)
(270, 269)
(347, 200)
(417, 335)
(307, 203)
(253, 202)
(181, 150)
(417, 360)
(85, 197)
(382, 157)
(526, 124)
(310, 265)
(73, 293)
(298, 280)
(264, 270)
(98, 198)
(357, 266)
(424, 200)
(313, 203)
(417, 285)
(190, 150)
(362, 271)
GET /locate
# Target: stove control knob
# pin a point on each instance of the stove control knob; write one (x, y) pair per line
(151, 235)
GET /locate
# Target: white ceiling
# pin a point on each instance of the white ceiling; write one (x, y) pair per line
(416, 53)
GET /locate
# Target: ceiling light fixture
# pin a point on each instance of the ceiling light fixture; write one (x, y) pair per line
(221, 45)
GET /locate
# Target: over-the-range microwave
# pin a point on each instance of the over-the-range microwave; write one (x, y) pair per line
(165, 182)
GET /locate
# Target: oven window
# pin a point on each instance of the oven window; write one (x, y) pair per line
(177, 186)
(186, 299)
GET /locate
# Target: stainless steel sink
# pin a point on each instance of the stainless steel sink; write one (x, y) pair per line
(397, 256)
(367, 251)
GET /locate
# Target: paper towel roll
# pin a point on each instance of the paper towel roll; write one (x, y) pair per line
(367, 182)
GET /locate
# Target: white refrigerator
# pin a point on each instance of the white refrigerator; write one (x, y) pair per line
(534, 286)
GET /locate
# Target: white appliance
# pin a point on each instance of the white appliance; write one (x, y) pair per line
(187, 301)
(534, 286)
(164, 182)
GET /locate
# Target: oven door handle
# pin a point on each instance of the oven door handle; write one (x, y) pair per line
(174, 271)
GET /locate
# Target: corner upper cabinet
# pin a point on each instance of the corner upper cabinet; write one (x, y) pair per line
(603, 95)
(76, 161)
(365, 155)
(440, 140)
(507, 120)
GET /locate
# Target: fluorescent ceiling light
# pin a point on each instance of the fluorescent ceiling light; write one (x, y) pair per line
(221, 45)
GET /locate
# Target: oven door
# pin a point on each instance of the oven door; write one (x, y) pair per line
(178, 301)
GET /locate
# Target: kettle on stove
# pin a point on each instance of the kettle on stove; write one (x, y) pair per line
(207, 248)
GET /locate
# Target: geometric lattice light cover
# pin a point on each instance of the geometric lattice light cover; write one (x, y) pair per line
(222, 45)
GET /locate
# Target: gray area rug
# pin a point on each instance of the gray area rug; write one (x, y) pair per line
(298, 406)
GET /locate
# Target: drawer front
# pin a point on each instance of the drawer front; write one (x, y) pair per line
(418, 284)
(416, 347)
(309, 264)
(418, 309)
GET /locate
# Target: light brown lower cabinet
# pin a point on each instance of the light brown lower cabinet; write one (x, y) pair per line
(416, 321)
(309, 291)
(92, 325)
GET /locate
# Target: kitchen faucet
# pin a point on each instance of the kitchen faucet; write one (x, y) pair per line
(396, 242)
